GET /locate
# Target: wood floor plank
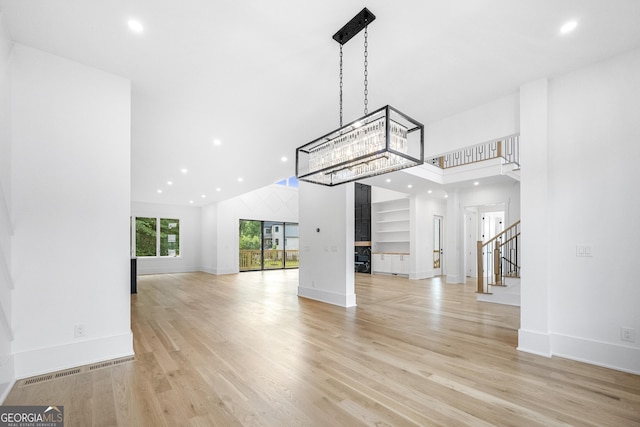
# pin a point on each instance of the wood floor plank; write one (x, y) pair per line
(245, 350)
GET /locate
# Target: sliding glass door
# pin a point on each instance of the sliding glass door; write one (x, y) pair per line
(250, 245)
(268, 245)
(291, 245)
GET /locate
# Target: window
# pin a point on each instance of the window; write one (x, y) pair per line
(157, 237)
(169, 237)
(292, 182)
(146, 237)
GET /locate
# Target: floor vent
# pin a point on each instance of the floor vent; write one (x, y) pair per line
(108, 363)
(74, 371)
(67, 373)
(39, 379)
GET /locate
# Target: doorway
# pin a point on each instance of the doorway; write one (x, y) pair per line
(438, 259)
(471, 242)
(267, 245)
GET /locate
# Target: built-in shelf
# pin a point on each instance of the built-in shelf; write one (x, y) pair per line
(393, 210)
(391, 235)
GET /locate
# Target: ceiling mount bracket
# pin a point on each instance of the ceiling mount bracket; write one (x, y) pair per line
(353, 27)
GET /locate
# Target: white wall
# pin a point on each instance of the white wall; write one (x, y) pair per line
(270, 203)
(594, 158)
(190, 238)
(209, 238)
(70, 200)
(483, 123)
(7, 371)
(327, 256)
(484, 196)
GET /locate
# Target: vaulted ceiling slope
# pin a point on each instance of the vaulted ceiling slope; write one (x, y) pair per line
(261, 77)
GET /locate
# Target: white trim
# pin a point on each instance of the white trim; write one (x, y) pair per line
(534, 342)
(613, 356)
(454, 278)
(422, 275)
(5, 393)
(327, 297)
(51, 359)
(7, 373)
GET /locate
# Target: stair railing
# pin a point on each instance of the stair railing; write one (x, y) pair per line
(507, 148)
(498, 258)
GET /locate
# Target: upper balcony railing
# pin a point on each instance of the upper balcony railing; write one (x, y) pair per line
(507, 148)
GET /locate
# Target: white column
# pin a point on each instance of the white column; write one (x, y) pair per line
(534, 310)
(327, 243)
(454, 240)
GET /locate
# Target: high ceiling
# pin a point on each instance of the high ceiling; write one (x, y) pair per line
(261, 77)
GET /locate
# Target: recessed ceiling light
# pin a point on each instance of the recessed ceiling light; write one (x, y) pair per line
(283, 158)
(218, 189)
(388, 179)
(159, 191)
(135, 26)
(446, 196)
(190, 201)
(169, 182)
(476, 183)
(240, 179)
(184, 170)
(409, 186)
(568, 27)
(429, 191)
(217, 142)
(203, 196)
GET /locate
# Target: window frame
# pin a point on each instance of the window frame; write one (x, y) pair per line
(134, 237)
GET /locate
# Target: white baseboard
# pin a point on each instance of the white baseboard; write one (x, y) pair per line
(328, 297)
(451, 278)
(614, 356)
(7, 377)
(216, 271)
(421, 275)
(165, 269)
(534, 342)
(51, 359)
(608, 355)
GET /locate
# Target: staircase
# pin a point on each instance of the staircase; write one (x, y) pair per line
(508, 294)
(499, 267)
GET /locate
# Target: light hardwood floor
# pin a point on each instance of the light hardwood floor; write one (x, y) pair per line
(245, 350)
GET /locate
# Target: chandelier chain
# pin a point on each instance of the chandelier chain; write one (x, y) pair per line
(340, 85)
(366, 71)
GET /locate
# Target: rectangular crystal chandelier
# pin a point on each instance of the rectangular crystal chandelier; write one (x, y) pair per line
(380, 142)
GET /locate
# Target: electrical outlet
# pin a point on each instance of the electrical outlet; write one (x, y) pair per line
(584, 251)
(80, 330)
(628, 334)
